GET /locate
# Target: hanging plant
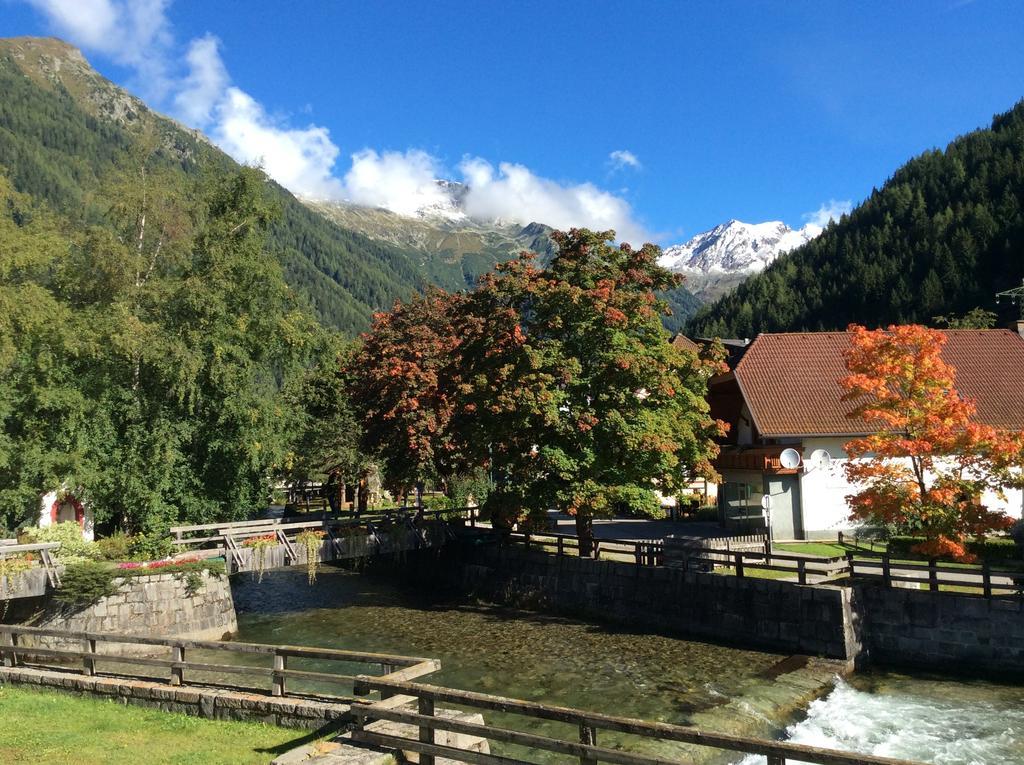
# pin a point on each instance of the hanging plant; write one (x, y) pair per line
(311, 539)
(259, 546)
(12, 571)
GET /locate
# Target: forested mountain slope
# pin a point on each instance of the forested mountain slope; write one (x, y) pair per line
(942, 236)
(66, 133)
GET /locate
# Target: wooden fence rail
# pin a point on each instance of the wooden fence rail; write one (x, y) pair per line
(644, 552)
(44, 550)
(590, 725)
(14, 651)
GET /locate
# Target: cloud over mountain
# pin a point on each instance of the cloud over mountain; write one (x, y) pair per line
(194, 83)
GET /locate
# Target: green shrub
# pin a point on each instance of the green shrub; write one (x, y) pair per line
(116, 547)
(995, 549)
(73, 549)
(636, 502)
(436, 502)
(476, 485)
(84, 583)
(154, 546)
(992, 549)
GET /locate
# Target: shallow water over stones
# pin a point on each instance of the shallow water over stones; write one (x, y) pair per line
(613, 670)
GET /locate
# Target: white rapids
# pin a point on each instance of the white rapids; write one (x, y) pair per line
(938, 722)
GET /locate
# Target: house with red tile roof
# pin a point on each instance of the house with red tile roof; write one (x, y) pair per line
(789, 424)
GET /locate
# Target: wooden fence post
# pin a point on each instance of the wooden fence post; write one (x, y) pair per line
(637, 555)
(933, 575)
(801, 571)
(739, 564)
(886, 570)
(426, 707)
(89, 662)
(178, 673)
(561, 546)
(280, 662)
(588, 736)
(10, 643)
(986, 578)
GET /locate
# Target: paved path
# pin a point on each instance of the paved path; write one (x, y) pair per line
(636, 528)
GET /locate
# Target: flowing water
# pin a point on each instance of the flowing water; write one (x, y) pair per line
(617, 671)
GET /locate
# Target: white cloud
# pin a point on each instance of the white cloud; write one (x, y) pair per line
(133, 33)
(620, 159)
(300, 159)
(137, 34)
(206, 83)
(402, 182)
(514, 192)
(829, 211)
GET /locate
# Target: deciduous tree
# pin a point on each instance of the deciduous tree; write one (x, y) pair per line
(927, 465)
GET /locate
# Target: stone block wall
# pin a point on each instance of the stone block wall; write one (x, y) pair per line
(779, 616)
(942, 630)
(160, 605)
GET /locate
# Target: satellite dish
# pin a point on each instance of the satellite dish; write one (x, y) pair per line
(820, 458)
(789, 459)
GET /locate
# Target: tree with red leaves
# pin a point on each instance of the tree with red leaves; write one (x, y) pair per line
(403, 382)
(571, 385)
(924, 470)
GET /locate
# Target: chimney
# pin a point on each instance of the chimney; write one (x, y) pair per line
(1018, 327)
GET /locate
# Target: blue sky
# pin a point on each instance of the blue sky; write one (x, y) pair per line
(718, 110)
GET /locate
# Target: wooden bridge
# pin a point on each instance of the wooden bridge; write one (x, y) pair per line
(392, 711)
(35, 579)
(345, 537)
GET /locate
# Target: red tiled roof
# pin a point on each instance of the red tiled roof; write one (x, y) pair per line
(790, 381)
(683, 343)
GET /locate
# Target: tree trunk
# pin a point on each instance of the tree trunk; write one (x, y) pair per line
(585, 534)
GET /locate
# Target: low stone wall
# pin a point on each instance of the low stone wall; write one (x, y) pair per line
(942, 630)
(161, 605)
(213, 703)
(779, 616)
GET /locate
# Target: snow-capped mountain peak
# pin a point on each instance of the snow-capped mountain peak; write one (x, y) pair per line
(735, 246)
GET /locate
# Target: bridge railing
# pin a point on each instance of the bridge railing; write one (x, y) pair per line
(44, 646)
(587, 748)
(214, 534)
(44, 551)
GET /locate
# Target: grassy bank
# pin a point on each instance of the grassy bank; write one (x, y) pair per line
(44, 726)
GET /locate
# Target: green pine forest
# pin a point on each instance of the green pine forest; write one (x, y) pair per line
(942, 236)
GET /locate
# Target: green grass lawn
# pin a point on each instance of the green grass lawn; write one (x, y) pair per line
(828, 549)
(51, 727)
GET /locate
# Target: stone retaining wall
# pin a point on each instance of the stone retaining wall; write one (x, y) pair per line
(779, 616)
(214, 703)
(942, 630)
(159, 605)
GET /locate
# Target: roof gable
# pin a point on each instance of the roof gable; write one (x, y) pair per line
(791, 380)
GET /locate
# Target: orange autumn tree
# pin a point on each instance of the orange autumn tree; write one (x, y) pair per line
(924, 470)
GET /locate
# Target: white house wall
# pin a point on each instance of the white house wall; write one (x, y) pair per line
(823, 493)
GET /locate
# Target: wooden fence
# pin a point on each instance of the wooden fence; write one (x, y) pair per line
(642, 552)
(586, 749)
(988, 580)
(993, 581)
(15, 651)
